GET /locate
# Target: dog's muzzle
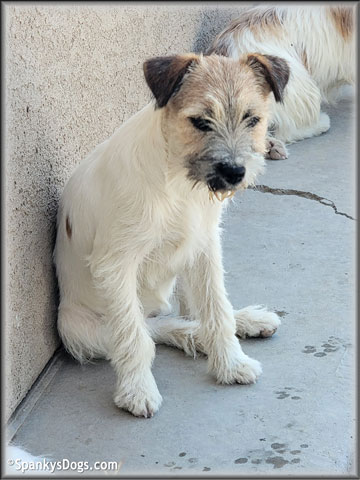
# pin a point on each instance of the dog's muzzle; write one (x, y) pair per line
(226, 179)
(231, 174)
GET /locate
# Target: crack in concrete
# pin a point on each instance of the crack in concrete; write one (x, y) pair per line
(302, 194)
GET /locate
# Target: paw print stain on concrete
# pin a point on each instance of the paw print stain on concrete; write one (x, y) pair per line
(286, 392)
(309, 349)
(276, 446)
(241, 460)
(256, 456)
(332, 344)
(193, 460)
(279, 461)
(282, 395)
(280, 455)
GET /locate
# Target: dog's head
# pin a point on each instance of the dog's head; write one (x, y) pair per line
(216, 113)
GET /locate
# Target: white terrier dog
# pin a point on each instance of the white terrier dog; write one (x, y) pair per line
(318, 42)
(137, 214)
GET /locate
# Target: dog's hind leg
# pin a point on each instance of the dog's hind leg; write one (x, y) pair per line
(180, 294)
(83, 332)
(178, 332)
(256, 321)
(182, 333)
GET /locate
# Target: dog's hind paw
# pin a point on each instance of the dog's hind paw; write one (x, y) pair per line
(256, 321)
(275, 149)
(138, 401)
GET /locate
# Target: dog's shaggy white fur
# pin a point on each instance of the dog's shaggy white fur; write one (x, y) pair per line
(317, 41)
(131, 220)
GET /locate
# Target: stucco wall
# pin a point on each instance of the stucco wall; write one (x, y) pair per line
(73, 73)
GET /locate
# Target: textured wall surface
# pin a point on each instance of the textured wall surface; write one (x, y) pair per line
(73, 73)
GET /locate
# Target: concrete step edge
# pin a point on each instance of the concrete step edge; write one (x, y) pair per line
(26, 406)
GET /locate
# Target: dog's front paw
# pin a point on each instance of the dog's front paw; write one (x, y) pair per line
(275, 149)
(243, 370)
(256, 321)
(140, 401)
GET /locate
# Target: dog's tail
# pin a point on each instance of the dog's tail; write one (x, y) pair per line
(83, 332)
(178, 332)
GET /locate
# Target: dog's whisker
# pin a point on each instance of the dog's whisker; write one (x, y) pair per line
(196, 183)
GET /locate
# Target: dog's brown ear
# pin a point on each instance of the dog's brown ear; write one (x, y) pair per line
(272, 71)
(164, 75)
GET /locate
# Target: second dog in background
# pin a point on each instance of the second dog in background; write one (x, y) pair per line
(318, 42)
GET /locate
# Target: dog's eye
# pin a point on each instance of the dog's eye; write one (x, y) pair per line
(253, 121)
(201, 124)
(247, 115)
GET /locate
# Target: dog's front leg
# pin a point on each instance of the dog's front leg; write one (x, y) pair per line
(131, 348)
(208, 303)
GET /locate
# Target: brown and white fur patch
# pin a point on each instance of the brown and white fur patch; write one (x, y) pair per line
(136, 216)
(318, 43)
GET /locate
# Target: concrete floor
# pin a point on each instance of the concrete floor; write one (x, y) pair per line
(291, 251)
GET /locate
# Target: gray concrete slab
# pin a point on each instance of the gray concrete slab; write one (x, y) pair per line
(324, 165)
(293, 254)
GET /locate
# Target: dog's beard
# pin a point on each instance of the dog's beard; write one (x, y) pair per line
(254, 165)
(218, 188)
(220, 194)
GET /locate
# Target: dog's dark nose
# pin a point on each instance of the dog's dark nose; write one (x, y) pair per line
(232, 174)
